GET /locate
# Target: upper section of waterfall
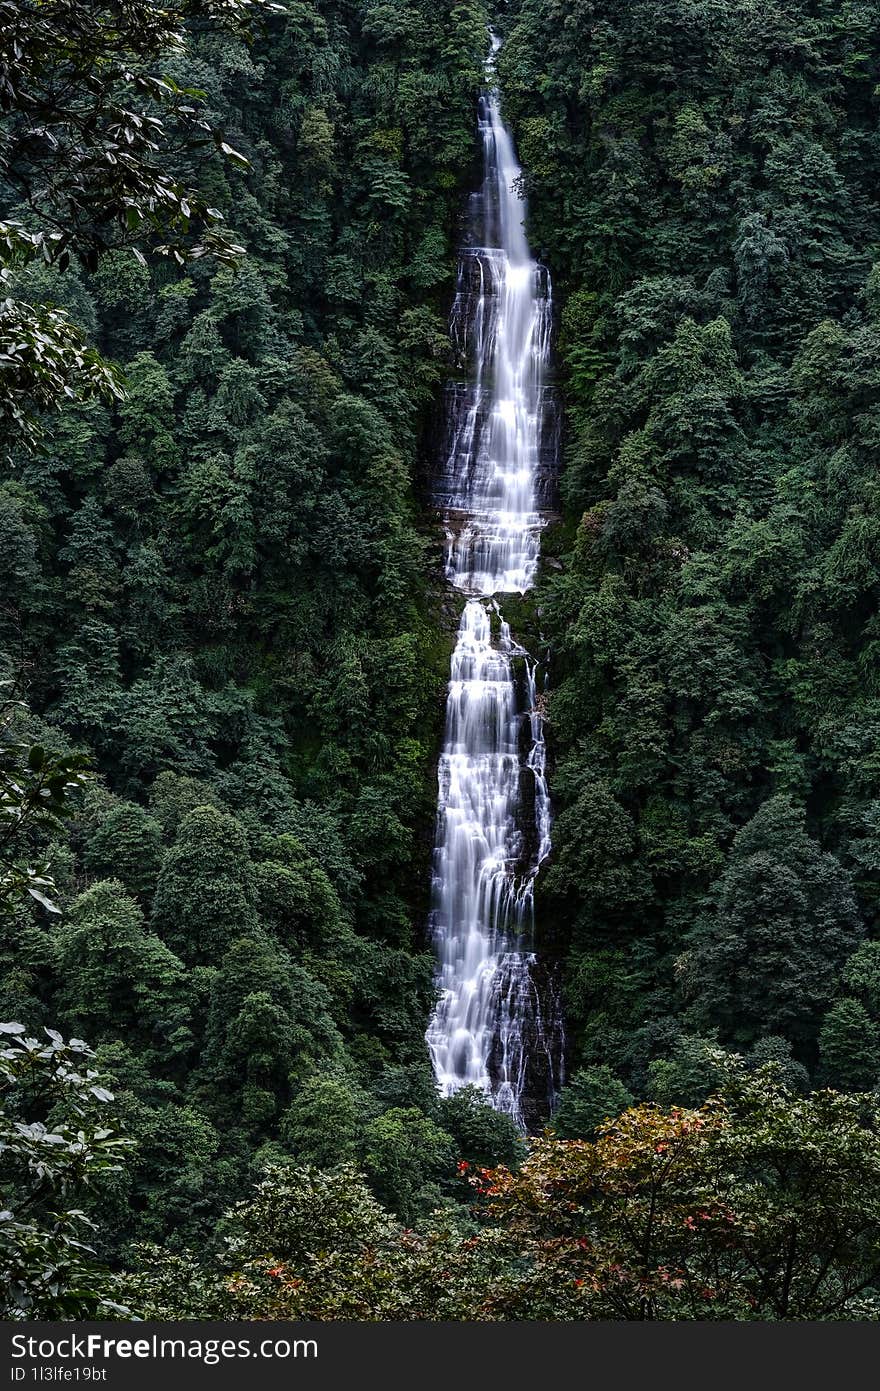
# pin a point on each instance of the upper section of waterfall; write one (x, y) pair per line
(501, 323)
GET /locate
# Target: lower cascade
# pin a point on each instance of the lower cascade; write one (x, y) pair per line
(496, 1024)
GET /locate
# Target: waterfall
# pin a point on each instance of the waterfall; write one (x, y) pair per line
(494, 1022)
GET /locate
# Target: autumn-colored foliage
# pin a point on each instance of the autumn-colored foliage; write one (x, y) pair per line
(758, 1205)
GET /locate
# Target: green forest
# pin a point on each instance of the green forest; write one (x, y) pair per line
(228, 255)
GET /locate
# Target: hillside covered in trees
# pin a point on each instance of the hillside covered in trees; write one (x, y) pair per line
(704, 181)
(221, 589)
(223, 648)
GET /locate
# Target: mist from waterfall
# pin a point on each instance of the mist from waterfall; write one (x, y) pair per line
(493, 826)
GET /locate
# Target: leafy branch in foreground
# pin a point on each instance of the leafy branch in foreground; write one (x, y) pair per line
(54, 1146)
(35, 787)
(44, 358)
(89, 124)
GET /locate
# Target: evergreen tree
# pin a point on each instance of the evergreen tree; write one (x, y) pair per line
(205, 892)
(849, 1047)
(785, 921)
(117, 979)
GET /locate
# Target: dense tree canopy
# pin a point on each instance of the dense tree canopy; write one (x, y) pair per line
(219, 592)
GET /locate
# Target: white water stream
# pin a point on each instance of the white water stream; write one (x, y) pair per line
(491, 839)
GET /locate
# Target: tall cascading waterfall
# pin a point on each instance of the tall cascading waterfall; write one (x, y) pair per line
(496, 1023)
